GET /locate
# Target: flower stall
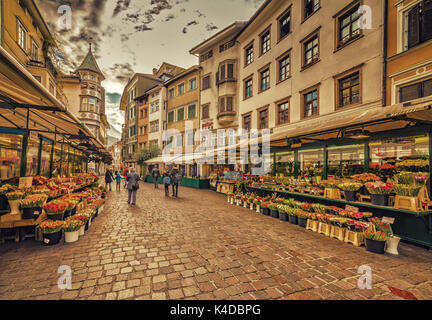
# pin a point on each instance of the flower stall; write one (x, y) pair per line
(50, 205)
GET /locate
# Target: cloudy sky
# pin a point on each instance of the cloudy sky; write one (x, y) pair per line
(138, 35)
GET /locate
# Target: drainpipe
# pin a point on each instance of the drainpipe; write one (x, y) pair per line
(199, 108)
(385, 38)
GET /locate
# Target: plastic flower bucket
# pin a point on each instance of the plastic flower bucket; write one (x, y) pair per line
(72, 236)
(375, 246)
(50, 239)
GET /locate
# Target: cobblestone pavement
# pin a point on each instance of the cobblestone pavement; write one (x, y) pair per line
(200, 247)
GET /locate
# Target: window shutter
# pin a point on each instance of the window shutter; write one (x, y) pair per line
(427, 88)
(222, 72)
(414, 26)
(222, 105)
(410, 92)
(230, 71)
(427, 20)
(217, 78)
(229, 104)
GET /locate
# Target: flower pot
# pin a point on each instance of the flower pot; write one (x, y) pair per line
(82, 230)
(245, 204)
(350, 195)
(302, 222)
(237, 202)
(50, 239)
(72, 236)
(232, 200)
(14, 206)
(258, 208)
(251, 206)
(392, 245)
(56, 217)
(228, 199)
(274, 214)
(293, 219)
(283, 216)
(375, 246)
(266, 211)
(28, 213)
(379, 199)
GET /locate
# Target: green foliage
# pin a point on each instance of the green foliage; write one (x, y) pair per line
(147, 154)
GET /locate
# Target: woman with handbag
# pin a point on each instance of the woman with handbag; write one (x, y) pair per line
(132, 185)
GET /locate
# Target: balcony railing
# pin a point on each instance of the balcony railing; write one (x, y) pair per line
(47, 64)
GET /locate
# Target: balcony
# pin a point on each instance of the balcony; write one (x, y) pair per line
(40, 64)
(226, 117)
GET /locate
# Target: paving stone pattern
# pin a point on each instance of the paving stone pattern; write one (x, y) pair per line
(200, 247)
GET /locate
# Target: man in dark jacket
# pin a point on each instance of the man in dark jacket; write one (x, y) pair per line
(108, 178)
(132, 185)
(156, 174)
(176, 178)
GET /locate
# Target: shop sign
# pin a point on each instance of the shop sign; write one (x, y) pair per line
(25, 182)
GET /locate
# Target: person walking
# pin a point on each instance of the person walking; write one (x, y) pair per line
(156, 174)
(132, 185)
(166, 181)
(125, 175)
(118, 179)
(176, 178)
(108, 178)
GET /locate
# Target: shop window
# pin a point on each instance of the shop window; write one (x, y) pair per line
(345, 161)
(311, 162)
(10, 155)
(348, 27)
(45, 158)
(32, 156)
(415, 91)
(285, 163)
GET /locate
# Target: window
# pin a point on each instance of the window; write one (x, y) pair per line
(92, 77)
(230, 71)
(265, 79)
(283, 112)
(145, 113)
(181, 89)
(265, 42)
(92, 104)
(21, 35)
(206, 56)
(310, 7)
(142, 114)
(206, 111)
(132, 94)
(229, 103)
(226, 72)
(179, 139)
(84, 104)
(132, 131)
(221, 104)
(192, 111)
(145, 130)
(247, 122)
(154, 126)
(191, 138)
(310, 103)
(171, 93)
(141, 131)
(193, 84)
(227, 45)
(248, 88)
(263, 119)
(284, 68)
(34, 52)
(419, 23)
(171, 117)
(52, 88)
(180, 114)
(348, 26)
(222, 72)
(415, 91)
(349, 90)
(311, 51)
(206, 82)
(249, 53)
(284, 25)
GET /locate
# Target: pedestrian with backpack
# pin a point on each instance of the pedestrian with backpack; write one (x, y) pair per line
(166, 178)
(176, 178)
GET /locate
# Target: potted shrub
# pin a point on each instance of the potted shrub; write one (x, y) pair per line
(274, 210)
(375, 241)
(55, 209)
(31, 203)
(302, 218)
(71, 228)
(14, 199)
(379, 192)
(51, 232)
(350, 190)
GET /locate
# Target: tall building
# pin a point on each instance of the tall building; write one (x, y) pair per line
(86, 96)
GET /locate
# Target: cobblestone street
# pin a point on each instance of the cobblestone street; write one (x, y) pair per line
(200, 247)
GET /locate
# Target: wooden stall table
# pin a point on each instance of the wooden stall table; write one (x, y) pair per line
(14, 221)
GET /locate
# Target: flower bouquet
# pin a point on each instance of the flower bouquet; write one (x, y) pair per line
(71, 228)
(274, 210)
(379, 192)
(319, 208)
(32, 203)
(356, 226)
(55, 209)
(302, 217)
(375, 241)
(51, 232)
(350, 190)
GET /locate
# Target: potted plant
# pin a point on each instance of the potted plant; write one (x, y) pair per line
(302, 218)
(292, 215)
(379, 192)
(83, 219)
(55, 209)
(392, 240)
(265, 208)
(363, 178)
(375, 241)
(283, 209)
(257, 203)
(274, 210)
(71, 228)
(14, 199)
(51, 232)
(31, 203)
(350, 190)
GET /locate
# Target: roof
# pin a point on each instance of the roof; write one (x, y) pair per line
(89, 63)
(229, 30)
(254, 17)
(183, 74)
